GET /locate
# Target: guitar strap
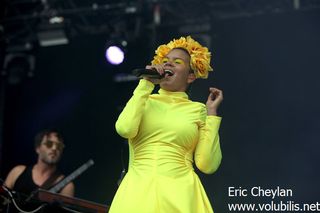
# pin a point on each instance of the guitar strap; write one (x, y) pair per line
(46, 185)
(51, 180)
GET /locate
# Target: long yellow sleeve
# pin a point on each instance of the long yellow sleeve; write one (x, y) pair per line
(128, 122)
(208, 153)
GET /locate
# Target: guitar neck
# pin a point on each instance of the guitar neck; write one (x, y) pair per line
(71, 177)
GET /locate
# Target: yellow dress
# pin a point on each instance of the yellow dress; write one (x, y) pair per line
(167, 133)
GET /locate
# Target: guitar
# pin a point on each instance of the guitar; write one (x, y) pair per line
(56, 188)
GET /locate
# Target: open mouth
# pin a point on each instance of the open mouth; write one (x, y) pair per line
(169, 72)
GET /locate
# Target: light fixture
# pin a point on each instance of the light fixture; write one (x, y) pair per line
(115, 51)
(52, 38)
(52, 32)
(18, 66)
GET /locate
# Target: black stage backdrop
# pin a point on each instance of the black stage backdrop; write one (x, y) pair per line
(267, 66)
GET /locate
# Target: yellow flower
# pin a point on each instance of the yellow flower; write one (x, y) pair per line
(162, 51)
(199, 55)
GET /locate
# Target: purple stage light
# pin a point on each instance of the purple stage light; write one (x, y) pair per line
(114, 55)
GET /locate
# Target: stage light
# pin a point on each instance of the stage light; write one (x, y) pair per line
(52, 38)
(18, 66)
(52, 32)
(115, 52)
(114, 55)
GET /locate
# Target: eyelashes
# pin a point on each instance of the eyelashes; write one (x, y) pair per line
(176, 61)
(165, 60)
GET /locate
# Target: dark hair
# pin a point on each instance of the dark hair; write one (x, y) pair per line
(46, 132)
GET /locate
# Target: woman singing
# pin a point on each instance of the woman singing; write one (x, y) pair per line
(168, 134)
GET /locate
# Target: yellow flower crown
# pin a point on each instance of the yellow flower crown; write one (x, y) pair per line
(199, 56)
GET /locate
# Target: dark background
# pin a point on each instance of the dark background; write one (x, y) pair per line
(267, 66)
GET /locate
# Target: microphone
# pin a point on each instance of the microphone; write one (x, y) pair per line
(150, 73)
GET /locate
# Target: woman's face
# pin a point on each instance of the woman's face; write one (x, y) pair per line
(178, 62)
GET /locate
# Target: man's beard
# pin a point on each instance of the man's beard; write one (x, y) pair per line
(51, 161)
